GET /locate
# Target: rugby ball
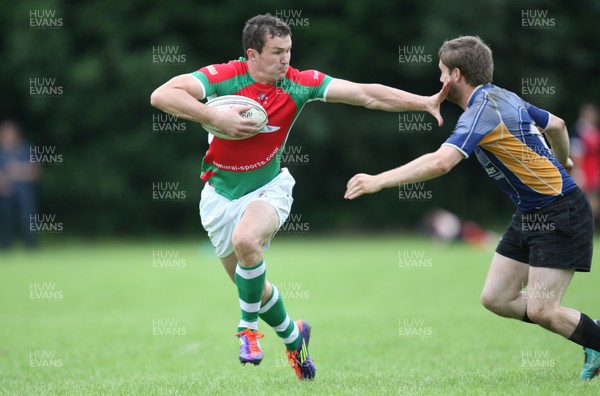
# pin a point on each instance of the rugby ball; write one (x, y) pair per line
(256, 112)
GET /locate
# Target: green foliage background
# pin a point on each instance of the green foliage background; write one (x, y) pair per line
(102, 124)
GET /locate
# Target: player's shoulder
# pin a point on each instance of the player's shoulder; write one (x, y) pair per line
(224, 71)
(482, 105)
(487, 98)
(482, 95)
(305, 77)
(497, 96)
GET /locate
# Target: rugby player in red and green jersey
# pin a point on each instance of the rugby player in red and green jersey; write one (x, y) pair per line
(247, 196)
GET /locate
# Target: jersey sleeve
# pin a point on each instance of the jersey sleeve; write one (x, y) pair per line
(476, 122)
(539, 116)
(307, 85)
(320, 91)
(215, 79)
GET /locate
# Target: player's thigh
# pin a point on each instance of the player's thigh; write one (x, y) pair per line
(505, 279)
(547, 286)
(257, 225)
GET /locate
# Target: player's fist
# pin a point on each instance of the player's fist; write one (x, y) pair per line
(568, 165)
(230, 122)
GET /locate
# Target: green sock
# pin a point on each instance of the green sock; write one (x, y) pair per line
(274, 314)
(250, 282)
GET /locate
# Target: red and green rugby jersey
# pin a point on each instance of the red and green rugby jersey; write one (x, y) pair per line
(237, 167)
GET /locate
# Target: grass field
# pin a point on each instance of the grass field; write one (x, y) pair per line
(390, 316)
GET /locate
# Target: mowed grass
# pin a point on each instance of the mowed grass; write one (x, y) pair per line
(391, 315)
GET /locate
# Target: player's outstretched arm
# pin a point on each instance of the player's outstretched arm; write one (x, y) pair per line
(179, 96)
(558, 137)
(382, 97)
(426, 167)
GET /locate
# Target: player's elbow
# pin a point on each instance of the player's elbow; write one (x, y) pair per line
(441, 166)
(556, 124)
(366, 98)
(444, 160)
(157, 98)
(366, 101)
(560, 123)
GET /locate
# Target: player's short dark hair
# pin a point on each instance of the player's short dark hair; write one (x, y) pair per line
(257, 28)
(471, 56)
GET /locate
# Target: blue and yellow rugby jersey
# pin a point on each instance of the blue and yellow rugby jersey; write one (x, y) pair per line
(503, 131)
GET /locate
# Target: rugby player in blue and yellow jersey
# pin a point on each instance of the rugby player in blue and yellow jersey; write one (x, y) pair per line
(551, 234)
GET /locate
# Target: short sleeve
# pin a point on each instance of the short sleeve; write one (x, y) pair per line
(539, 116)
(306, 86)
(320, 91)
(215, 79)
(476, 122)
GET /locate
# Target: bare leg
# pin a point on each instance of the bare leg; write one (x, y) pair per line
(503, 290)
(545, 291)
(256, 227)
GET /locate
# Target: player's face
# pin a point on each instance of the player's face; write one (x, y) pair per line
(274, 59)
(447, 75)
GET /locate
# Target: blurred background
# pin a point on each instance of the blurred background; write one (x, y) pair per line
(85, 155)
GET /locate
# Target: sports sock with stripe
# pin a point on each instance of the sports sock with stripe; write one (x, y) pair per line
(274, 314)
(250, 282)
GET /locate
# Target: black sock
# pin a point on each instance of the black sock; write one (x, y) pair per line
(526, 318)
(587, 333)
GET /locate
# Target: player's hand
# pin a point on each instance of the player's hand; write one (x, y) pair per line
(568, 165)
(230, 122)
(435, 101)
(362, 184)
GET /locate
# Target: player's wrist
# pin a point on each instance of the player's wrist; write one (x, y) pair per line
(385, 180)
(432, 104)
(210, 116)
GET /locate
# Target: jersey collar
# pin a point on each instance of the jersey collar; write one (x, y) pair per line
(477, 89)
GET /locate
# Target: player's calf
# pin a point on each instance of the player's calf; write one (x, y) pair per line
(553, 317)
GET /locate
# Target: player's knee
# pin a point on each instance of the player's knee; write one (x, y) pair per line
(245, 244)
(539, 313)
(491, 302)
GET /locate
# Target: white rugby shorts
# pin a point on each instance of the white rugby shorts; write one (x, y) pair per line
(220, 215)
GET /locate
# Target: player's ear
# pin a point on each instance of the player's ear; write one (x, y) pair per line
(456, 73)
(251, 53)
